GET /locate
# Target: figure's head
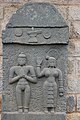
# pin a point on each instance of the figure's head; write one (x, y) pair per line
(51, 61)
(22, 59)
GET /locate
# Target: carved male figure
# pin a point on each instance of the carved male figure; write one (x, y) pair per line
(50, 86)
(22, 74)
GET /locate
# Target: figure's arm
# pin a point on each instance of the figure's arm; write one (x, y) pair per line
(61, 90)
(13, 79)
(31, 78)
(40, 73)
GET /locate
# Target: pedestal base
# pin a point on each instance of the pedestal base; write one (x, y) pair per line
(33, 116)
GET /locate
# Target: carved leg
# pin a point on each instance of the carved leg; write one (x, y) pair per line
(26, 98)
(52, 110)
(46, 110)
(18, 98)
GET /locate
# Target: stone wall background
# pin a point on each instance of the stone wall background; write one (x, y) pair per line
(70, 10)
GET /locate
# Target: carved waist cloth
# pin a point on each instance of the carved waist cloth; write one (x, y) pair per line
(23, 82)
(51, 94)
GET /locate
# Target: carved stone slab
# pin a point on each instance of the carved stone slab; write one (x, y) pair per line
(35, 64)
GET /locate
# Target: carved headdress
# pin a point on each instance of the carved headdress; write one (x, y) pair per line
(22, 55)
(51, 59)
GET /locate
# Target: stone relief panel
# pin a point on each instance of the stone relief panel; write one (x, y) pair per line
(34, 101)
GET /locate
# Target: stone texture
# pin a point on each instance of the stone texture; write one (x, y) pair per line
(73, 116)
(70, 28)
(1, 1)
(71, 102)
(1, 75)
(74, 12)
(0, 46)
(78, 103)
(74, 47)
(71, 47)
(53, 1)
(76, 29)
(8, 11)
(1, 12)
(74, 2)
(63, 11)
(71, 68)
(0, 104)
(0, 29)
(51, 18)
(72, 86)
(32, 116)
(13, 1)
(78, 68)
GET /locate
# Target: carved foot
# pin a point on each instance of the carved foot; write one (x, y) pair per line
(52, 111)
(46, 111)
(20, 110)
(26, 110)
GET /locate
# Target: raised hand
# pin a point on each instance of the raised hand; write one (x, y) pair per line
(39, 60)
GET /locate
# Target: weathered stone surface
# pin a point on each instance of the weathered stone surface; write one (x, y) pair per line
(78, 68)
(71, 68)
(71, 102)
(70, 28)
(35, 16)
(39, 20)
(53, 1)
(74, 12)
(76, 29)
(78, 103)
(0, 30)
(1, 12)
(1, 76)
(17, 1)
(0, 104)
(72, 86)
(32, 116)
(63, 10)
(74, 2)
(71, 47)
(8, 11)
(0, 46)
(1, 1)
(74, 48)
(73, 116)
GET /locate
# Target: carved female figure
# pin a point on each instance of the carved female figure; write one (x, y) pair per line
(20, 75)
(50, 86)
